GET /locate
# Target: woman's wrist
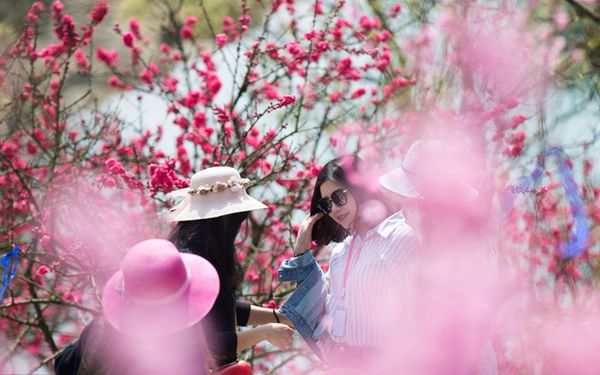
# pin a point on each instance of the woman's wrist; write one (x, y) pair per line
(284, 319)
(299, 253)
(266, 330)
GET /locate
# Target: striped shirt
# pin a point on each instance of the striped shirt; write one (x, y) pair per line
(374, 280)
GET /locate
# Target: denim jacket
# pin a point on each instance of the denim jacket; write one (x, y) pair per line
(306, 305)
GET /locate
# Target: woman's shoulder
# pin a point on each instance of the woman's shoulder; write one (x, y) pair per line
(402, 239)
(395, 226)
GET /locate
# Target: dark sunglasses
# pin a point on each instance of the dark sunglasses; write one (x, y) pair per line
(338, 197)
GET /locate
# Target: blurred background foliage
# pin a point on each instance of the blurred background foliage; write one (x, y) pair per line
(582, 36)
(209, 12)
(582, 33)
(150, 13)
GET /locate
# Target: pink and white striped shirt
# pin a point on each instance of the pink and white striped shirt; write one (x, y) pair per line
(375, 278)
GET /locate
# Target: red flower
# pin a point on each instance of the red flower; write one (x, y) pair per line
(271, 50)
(57, 8)
(358, 93)
(199, 119)
(318, 7)
(270, 305)
(294, 48)
(109, 182)
(395, 10)
(82, 61)
(335, 96)
(110, 58)
(42, 270)
(165, 48)
(31, 148)
(191, 21)
(186, 32)
(170, 84)
(146, 76)
(516, 144)
(99, 13)
(587, 167)
(128, 39)
(516, 121)
(114, 81)
(134, 26)
(192, 99)
(286, 100)
(346, 69)
(221, 39)
(33, 16)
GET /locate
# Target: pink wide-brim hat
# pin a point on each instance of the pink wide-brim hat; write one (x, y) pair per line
(214, 192)
(419, 175)
(159, 290)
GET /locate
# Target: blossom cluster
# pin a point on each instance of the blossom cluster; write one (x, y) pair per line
(83, 180)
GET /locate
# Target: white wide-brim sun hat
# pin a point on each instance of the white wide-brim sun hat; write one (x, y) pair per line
(419, 175)
(214, 192)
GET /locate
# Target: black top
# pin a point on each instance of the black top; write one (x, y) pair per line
(103, 350)
(220, 326)
(68, 362)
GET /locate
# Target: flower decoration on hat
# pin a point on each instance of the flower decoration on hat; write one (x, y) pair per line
(234, 184)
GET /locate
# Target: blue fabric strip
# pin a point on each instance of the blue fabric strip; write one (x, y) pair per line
(580, 231)
(9, 267)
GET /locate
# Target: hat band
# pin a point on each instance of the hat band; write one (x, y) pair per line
(165, 300)
(234, 184)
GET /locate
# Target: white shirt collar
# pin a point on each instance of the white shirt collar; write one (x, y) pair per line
(385, 227)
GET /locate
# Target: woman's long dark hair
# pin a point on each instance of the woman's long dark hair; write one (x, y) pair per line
(326, 229)
(214, 240)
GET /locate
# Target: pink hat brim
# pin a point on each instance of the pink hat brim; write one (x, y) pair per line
(156, 321)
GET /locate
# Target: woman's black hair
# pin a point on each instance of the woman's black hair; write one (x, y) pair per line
(214, 240)
(326, 229)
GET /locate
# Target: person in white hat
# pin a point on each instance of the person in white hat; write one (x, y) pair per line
(446, 212)
(208, 221)
(434, 193)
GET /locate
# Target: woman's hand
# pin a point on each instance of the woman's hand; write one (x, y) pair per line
(305, 233)
(279, 335)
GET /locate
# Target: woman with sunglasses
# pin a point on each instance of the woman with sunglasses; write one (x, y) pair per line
(340, 313)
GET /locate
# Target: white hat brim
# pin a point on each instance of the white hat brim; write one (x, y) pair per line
(399, 182)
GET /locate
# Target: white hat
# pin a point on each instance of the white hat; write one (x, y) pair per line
(422, 171)
(214, 192)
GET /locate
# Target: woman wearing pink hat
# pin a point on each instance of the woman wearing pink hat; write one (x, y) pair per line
(208, 221)
(151, 310)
